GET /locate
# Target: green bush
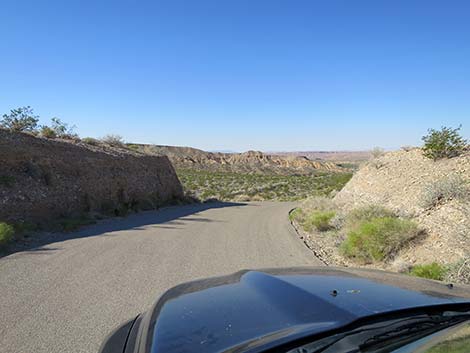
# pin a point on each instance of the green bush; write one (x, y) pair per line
(450, 188)
(6, 233)
(20, 119)
(378, 239)
(444, 143)
(319, 220)
(431, 271)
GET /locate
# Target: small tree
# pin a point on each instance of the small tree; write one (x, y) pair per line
(113, 140)
(444, 143)
(20, 119)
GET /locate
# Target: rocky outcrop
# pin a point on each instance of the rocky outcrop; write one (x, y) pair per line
(400, 181)
(43, 179)
(247, 162)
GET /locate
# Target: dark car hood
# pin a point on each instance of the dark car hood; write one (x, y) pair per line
(253, 308)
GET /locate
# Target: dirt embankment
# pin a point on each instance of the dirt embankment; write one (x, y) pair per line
(402, 181)
(434, 195)
(44, 179)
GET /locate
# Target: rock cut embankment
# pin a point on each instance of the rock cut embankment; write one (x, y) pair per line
(400, 181)
(44, 179)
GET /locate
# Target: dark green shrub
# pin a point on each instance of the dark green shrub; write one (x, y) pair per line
(431, 271)
(378, 239)
(20, 119)
(319, 220)
(444, 143)
(7, 233)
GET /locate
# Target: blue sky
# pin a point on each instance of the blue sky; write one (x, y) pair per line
(241, 74)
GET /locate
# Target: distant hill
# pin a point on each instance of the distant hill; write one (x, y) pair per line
(247, 162)
(340, 157)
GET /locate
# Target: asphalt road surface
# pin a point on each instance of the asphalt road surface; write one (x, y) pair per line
(68, 292)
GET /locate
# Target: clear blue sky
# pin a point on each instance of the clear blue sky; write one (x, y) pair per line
(241, 74)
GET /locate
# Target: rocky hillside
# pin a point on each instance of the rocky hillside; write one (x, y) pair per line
(435, 194)
(248, 162)
(43, 179)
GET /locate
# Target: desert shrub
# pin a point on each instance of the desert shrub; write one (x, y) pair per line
(133, 147)
(450, 188)
(377, 152)
(318, 203)
(113, 140)
(91, 141)
(7, 180)
(378, 239)
(319, 220)
(47, 132)
(6, 233)
(444, 143)
(20, 119)
(431, 271)
(363, 214)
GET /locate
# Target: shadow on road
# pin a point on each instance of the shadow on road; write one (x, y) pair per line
(166, 218)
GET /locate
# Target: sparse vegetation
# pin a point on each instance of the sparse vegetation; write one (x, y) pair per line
(245, 187)
(363, 214)
(6, 233)
(20, 120)
(444, 143)
(113, 140)
(441, 191)
(430, 271)
(319, 220)
(378, 239)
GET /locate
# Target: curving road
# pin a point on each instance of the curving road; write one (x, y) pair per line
(67, 293)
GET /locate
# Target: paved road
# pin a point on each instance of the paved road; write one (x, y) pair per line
(66, 295)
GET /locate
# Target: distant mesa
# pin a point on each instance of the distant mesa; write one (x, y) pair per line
(246, 162)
